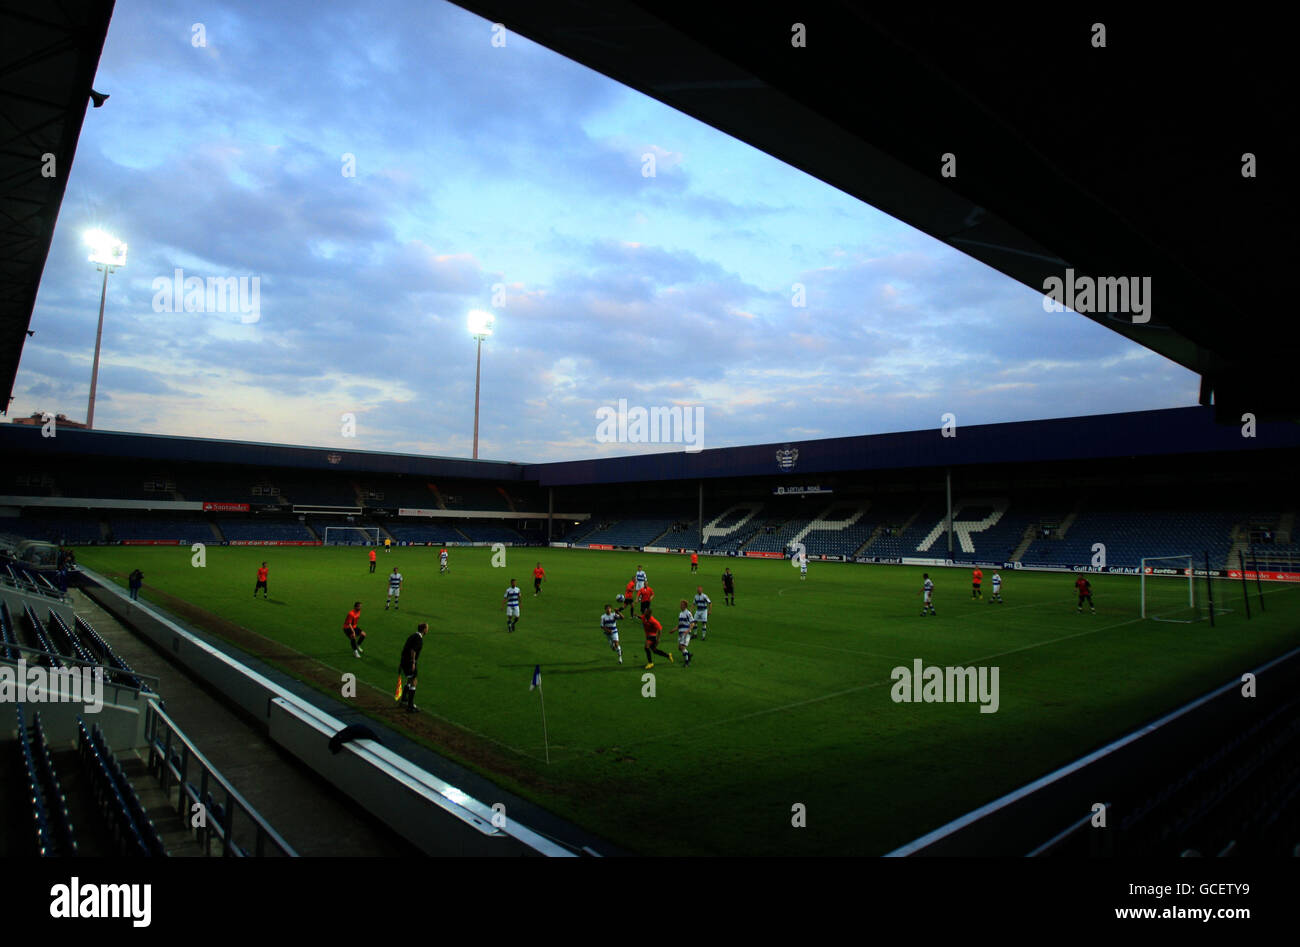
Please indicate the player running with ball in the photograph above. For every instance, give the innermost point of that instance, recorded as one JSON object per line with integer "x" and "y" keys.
{"x": 609, "y": 628}
{"x": 652, "y": 632}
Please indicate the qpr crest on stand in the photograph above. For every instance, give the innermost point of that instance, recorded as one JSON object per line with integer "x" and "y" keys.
{"x": 786, "y": 457}
{"x": 334, "y": 458}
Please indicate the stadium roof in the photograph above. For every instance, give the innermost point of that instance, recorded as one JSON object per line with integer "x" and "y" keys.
{"x": 48, "y": 56}
{"x": 1117, "y": 162}
{"x": 1170, "y": 432}
{"x": 166, "y": 448}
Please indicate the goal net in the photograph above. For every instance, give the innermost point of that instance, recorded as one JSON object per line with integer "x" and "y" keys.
{"x": 352, "y": 536}
{"x": 1170, "y": 591}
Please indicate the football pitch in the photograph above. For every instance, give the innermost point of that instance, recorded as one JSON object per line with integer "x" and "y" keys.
{"x": 788, "y": 702}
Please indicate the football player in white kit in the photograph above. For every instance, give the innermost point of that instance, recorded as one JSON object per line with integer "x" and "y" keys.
{"x": 685, "y": 625}
{"x": 997, "y": 589}
{"x": 442, "y": 562}
{"x": 609, "y": 627}
{"x": 640, "y": 578}
{"x": 803, "y": 566}
{"x": 394, "y": 589}
{"x": 702, "y": 605}
{"x": 510, "y": 602}
{"x": 927, "y": 592}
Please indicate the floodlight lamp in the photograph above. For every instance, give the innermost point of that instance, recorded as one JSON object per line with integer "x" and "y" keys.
{"x": 105, "y": 249}
{"x": 481, "y": 323}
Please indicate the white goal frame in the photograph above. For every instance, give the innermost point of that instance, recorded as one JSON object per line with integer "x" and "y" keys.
{"x": 1185, "y": 562}
{"x": 368, "y": 530}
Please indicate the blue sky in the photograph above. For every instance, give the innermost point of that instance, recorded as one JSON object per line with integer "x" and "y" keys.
{"x": 510, "y": 167}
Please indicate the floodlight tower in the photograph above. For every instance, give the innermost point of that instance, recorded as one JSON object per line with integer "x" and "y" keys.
{"x": 480, "y": 327}
{"x": 107, "y": 253}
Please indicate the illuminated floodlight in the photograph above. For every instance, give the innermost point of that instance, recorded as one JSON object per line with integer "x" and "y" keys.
{"x": 481, "y": 323}
{"x": 105, "y": 249}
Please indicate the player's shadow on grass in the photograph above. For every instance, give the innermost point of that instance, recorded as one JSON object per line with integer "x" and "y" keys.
{"x": 274, "y": 601}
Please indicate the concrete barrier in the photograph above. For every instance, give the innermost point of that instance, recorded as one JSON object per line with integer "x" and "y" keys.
{"x": 435, "y": 816}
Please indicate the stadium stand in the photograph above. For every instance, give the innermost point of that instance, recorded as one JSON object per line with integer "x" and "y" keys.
{"x": 116, "y": 667}
{"x": 732, "y": 527}
{"x": 28, "y": 483}
{"x": 116, "y": 799}
{"x": 53, "y": 829}
{"x": 484, "y": 533}
{"x": 579, "y": 533}
{"x": 629, "y": 532}
{"x": 159, "y": 527}
{"x": 116, "y": 484}
{"x": 65, "y": 529}
{"x": 265, "y": 529}
{"x": 426, "y": 533}
{"x": 8, "y": 639}
{"x": 1131, "y": 535}
{"x": 321, "y": 492}
{"x": 466, "y": 495}
{"x": 419, "y": 495}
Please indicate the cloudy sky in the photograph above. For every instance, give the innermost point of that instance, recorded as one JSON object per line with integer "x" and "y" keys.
{"x": 512, "y": 180}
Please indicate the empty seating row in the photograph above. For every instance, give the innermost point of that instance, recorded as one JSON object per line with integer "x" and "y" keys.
{"x": 485, "y": 533}
{"x": 132, "y": 829}
{"x": 8, "y": 641}
{"x": 52, "y": 826}
{"x": 634, "y": 531}
{"x": 264, "y": 529}
{"x": 427, "y": 533}
{"x": 116, "y": 667}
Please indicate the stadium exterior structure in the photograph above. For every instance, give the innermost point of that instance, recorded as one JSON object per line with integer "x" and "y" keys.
{"x": 1178, "y": 457}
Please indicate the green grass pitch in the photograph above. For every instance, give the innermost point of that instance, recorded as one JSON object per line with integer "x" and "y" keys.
{"x": 787, "y": 702}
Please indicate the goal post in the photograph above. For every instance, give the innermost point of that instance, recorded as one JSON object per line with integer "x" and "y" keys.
{"x": 1169, "y": 589}
{"x": 352, "y": 536}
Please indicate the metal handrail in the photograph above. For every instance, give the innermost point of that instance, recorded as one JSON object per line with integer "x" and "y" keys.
{"x": 267, "y": 841}
{"x": 108, "y": 668}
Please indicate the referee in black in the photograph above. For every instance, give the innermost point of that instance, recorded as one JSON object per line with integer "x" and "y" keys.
{"x": 410, "y": 663}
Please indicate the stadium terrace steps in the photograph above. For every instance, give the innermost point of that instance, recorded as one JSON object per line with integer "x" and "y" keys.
{"x": 1066, "y": 523}
{"x": 1026, "y": 540}
{"x": 93, "y": 837}
{"x": 875, "y": 532}
{"x": 308, "y": 814}
{"x": 173, "y": 828}
{"x": 687, "y": 535}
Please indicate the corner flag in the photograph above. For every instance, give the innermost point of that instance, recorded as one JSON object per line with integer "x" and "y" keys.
{"x": 537, "y": 686}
